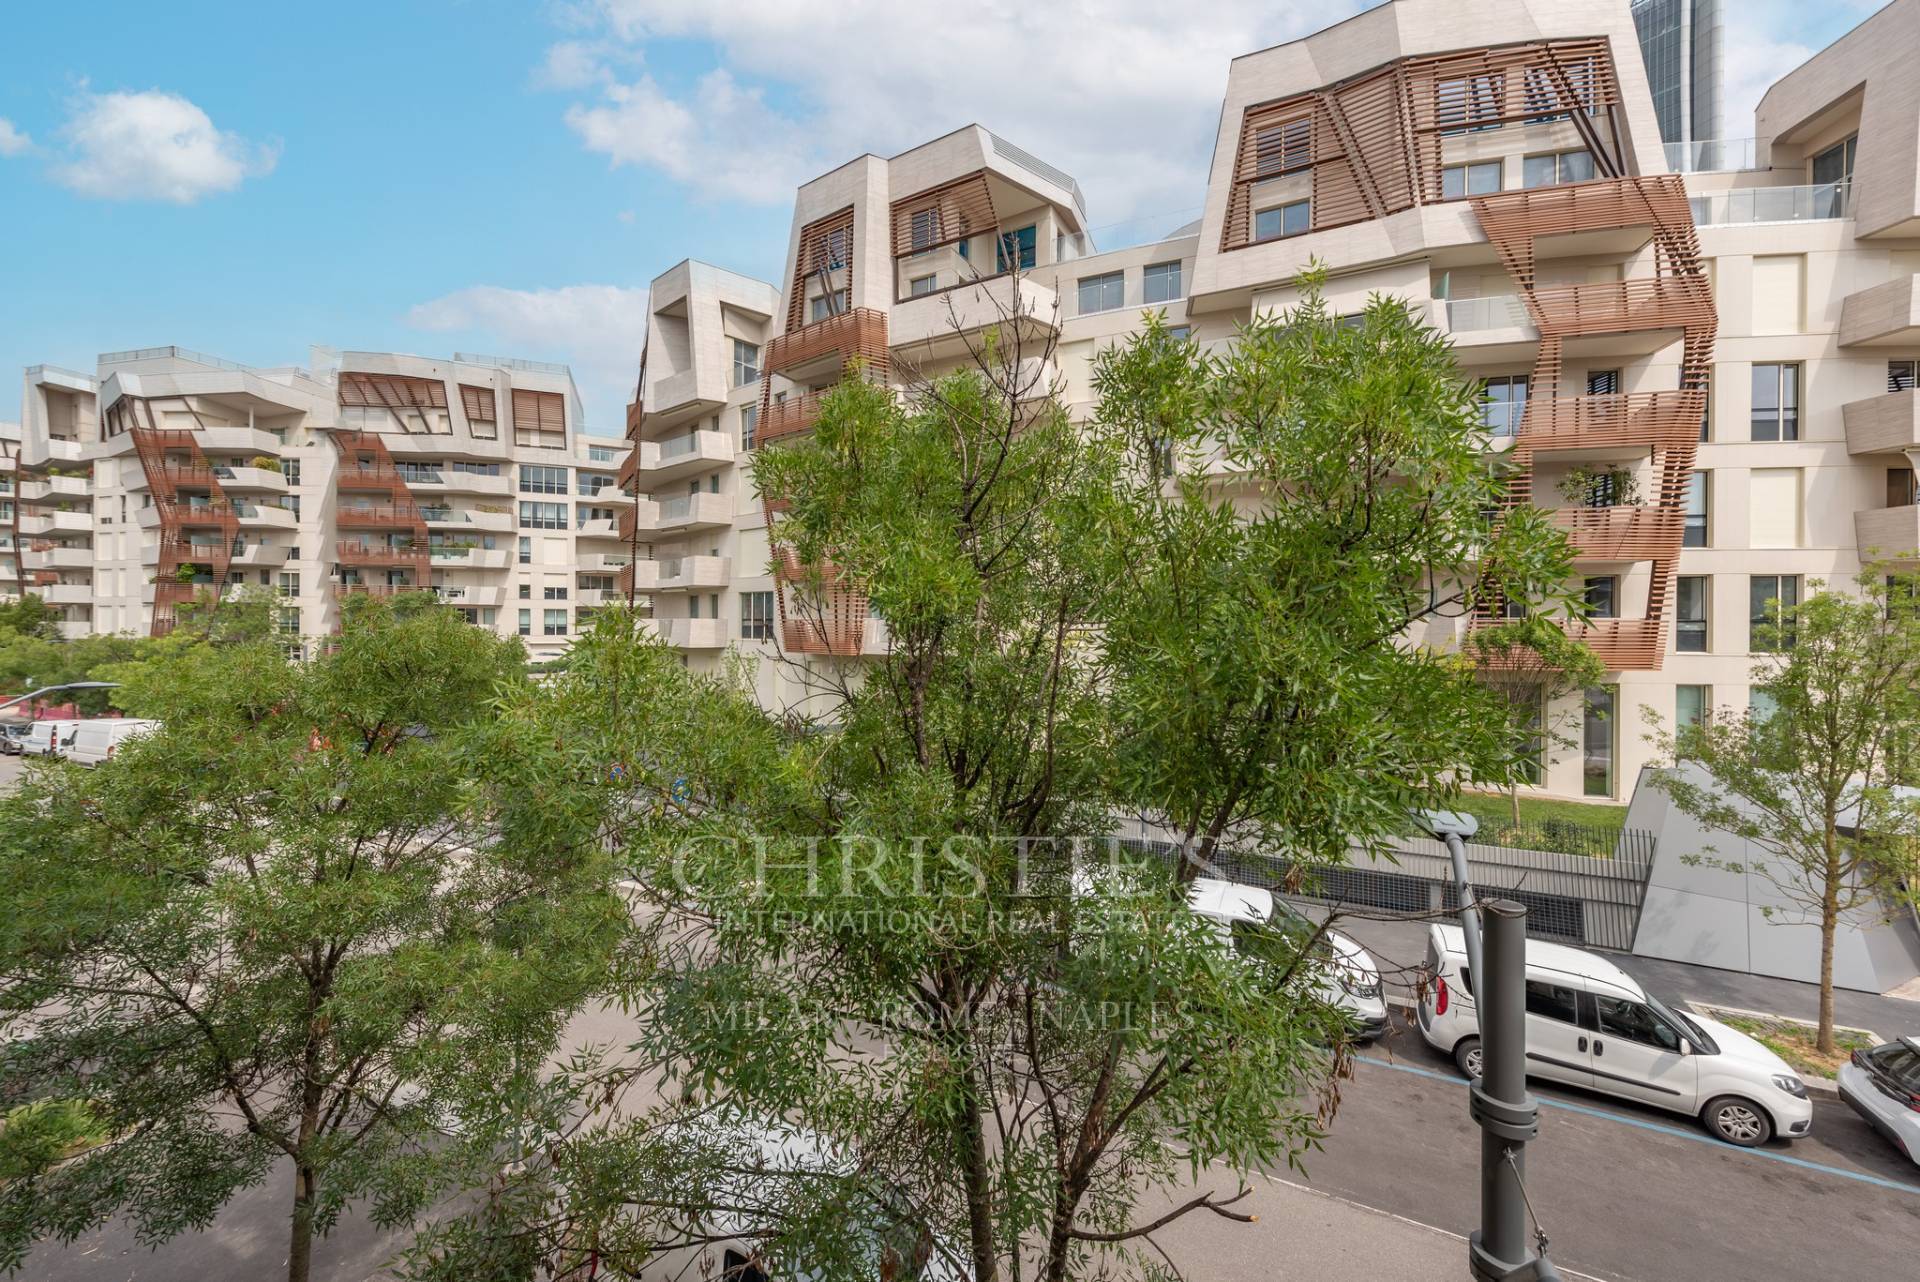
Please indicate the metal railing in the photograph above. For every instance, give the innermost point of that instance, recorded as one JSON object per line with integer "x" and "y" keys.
{"x": 1773, "y": 204}
{"x": 1711, "y": 155}
{"x": 515, "y": 362}
{"x": 1147, "y": 229}
{"x": 1034, "y": 165}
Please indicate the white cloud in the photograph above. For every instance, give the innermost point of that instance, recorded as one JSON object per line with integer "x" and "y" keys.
{"x": 1122, "y": 98}
{"x": 597, "y": 329}
{"x": 153, "y": 146}
{"x": 12, "y": 141}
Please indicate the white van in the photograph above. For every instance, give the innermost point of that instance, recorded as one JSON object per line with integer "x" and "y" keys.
{"x": 1351, "y": 981}
{"x": 94, "y": 741}
{"x": 1591, "y": 1024}
{"x": 48, "y": 738}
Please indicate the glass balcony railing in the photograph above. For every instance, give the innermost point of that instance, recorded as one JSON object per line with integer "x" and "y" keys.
{"x": 1773, "y": 205}
{"x": 1498, "y": 311}
{"x": 1710, "y": 155}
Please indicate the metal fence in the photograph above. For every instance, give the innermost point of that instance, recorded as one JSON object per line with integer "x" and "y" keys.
{"x": 1581, "y": 899}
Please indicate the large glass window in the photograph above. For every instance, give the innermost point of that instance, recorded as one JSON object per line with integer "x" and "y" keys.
{"x": 1557, "y": 167}
{"x": 1596, "y": 742}
{"x": 1162, "y": 282}
{"x": 1102, "y": 293}
{"x": 542, "y": 480}
{"x": 553, "y": 623}
{"x": 756, "y": 616}
{"x": 1772, "y": 599}
{"x": 1690, "y": 614}
{"x": 1694, "y": 530}
{"x": 543, "y": 516}
{"x": 1283, "y": 220}
{"x": 1481, "y": 178}
{"x": 922, "y": 285}
{"x": 1015, "y": 249}
{"x": 1602, "y": 593}
{"x": 1503, "y": 400}
{"x": 526, "y": 623}
{"x": 1690, "y": 706}
{"x": 825, "y": 305}
{"x": 746, "y": 362}
{"x": 1776, "y": 403}
{"x": 1835, "y": 164}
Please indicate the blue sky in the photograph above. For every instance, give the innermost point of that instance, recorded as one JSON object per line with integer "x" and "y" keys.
{"x": 500, "y": 176}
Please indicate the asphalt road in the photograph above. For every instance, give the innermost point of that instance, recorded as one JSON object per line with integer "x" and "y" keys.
{"x": 1630, "y": 1193}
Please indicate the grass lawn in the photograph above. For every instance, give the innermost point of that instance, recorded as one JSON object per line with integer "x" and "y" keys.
{"x": 1793, "y": 1041}
{"x": 1575, "y": 827}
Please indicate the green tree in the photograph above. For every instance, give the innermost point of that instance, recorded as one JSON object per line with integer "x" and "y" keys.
{"x": 889, "y": 917}
{"x": 1537, "y": 666}
{"x": 29, "y": 616}
{"x": 1808, "y": 773}
{"x": 283, "y": 930}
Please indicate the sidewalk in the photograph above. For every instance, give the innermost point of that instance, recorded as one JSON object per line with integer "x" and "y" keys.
{"x": 1400, "y": 943}
{"x": 1307, "y": 1236}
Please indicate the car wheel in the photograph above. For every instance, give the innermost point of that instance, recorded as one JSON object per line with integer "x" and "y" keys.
{"x": 1738, "y": 1121}
{"x": 1466, "y": 1053}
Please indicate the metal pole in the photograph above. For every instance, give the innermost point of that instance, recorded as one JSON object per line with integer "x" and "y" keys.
{"x": 1507, "y": 1116}
{"x": 1469, "y": 914}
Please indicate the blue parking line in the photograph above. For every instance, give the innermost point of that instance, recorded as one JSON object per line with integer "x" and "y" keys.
{"x": 1695, "y": 1136}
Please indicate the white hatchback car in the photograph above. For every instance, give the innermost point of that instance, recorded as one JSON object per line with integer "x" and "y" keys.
{"x": 1591, "y": 1024}
{"x": 1883, "y": 1086}
{"x": 1352, "y": 979}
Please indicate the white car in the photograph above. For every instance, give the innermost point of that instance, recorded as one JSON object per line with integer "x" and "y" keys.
{"x": 1351, "y": 980}
{"x": 94, "y": 741}
{"x": 1883, "y": 1086}
{"x": 48, "y": 738}
{"x": 1590, "y": 1024}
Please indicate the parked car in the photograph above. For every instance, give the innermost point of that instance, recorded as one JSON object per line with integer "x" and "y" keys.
{"x": 48, "y": 738}
{"x": 1883, "y": 1086}
{"x": 13, "y": 738}
{"x": 1590, "y": 1024}
{"x": 1350, "y": 980}
{"x": 94, "y": 741}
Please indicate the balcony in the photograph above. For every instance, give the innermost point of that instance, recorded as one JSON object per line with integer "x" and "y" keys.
{"x": 262, "y": 555}
{"x": 455, "y": 480}
{"x": 1711, "y": 156}
{"x": 354, "y": 552}
{"x": 1885, "y": 424}
{"x": 246, "y": 441}
{"x": 941, "y": 325}
{"x": 1644, "y": 306}
{"x": 262, "y": 479}
{"x": 55, "y": 523}
{"x": 1631, "y": 421}
{"x": 402, "y": 516}
{"x": 790, "y": 417}
{"x": 687, "y": 512}
{"x": 1624, "y": 533}
{"x": 1889, "y": 533}
{"x": 636, "y": 520}
{"x": 1746, "y": 205}
{"x": 690, "y": 573}
{"x": 342, "y": 591}
{"x": 472, "y": 595}
{"x": 265, "y": 516}
{"x": 67, "y": 593}
{"x": 45, "y": 489}
{"x": 1884, "y": 315}
{"x": 1494, "y": 312}
{"x": 465, "y": 558}
{"x": 1623, "y": 645}
{"x": 678, "y": 457}
{"x": 825, "y": 346}
{"x": 599, "y": 527}
{"x": 602, "y": 562}
{"x": 694, "y": 634}
{"x": 42, "y": 556}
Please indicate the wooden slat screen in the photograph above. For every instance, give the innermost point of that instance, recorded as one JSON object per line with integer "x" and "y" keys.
{"x": 392, "y": 391}
{"x": 824, "y": 243}
{"x": 480, "y": 403}
{"x": 539, "y": 411}
{"x": 943, "y": 215}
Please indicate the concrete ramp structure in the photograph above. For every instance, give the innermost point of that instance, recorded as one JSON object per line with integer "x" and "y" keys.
{"x": 1741, "y": 921}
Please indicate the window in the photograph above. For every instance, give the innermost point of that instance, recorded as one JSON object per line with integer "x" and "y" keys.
{"x": 553, "y": 623}
{"x": 554, "y": 593}
{"x": 1603, "y": 382}
{"x": 825, "y": 305}
{"x": 1900, "y": 489}
{"x": 756, "y": 616}
{"x": 1900, "y": 376}
{"x": 1690, "y": 706}
{"x": 588, "y": 484}
{"x": 1693, "y": 532}
{"x": 1771, "y": 601}
{"x": 1283, "y": 148}
{"x": 1503, "y": 400}
{"x": 1551, "y": 1001}
{"x": 1180, "y": 333}
{"x": 1596, "y": 742}
{"x": 595, "y": 454}
{"x": 749, "y": 424}
{"x": 1835, "y": 164}
{"x": 1469, "y": 103}
{"x": 1706, "y": 413}
{"x": 746, "y": 362}
{"x": 1636, "y": 1022}
{"x": 1478, "y": 179}
{"x": 922, "y": 285}
{"x": 1557, "y": 167}
{"x": 543, "y": 516}
{"x": 925, "y": 227}
{"x": 526, "y": 623}
{"x": 1690, "y": 614}
{"x": 1776, "y": 403}
{"x": 526, "y": 591}
{"x": 1601, "y": 594}
{"x": 1283, "y": 220}
{"x": 1162, "y": 282}
{"x": 1896, "y": 1062}
{"x": 290, "y": 469}
{"x": 1102, "y": 293}
{"x": 543, "y": 480}
{"x": 1015, "y": 250}
{"x": 526, "y": 550}
{"x": 289, "y": 583}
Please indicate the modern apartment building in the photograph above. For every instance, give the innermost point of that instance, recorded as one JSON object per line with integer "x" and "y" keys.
{"x": 169, "y": 474}
{"x": 1702, "y": 357}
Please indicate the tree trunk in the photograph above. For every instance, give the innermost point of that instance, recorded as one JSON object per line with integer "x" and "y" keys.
{"x": 1513, "y": 794}
{"x": 300, "y": 1247}
{"x": 1829, "y": 927}
{"x": 986, "y": 1264}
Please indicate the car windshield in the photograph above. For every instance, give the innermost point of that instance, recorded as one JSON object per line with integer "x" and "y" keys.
{"x": 1694, "y": 1033}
